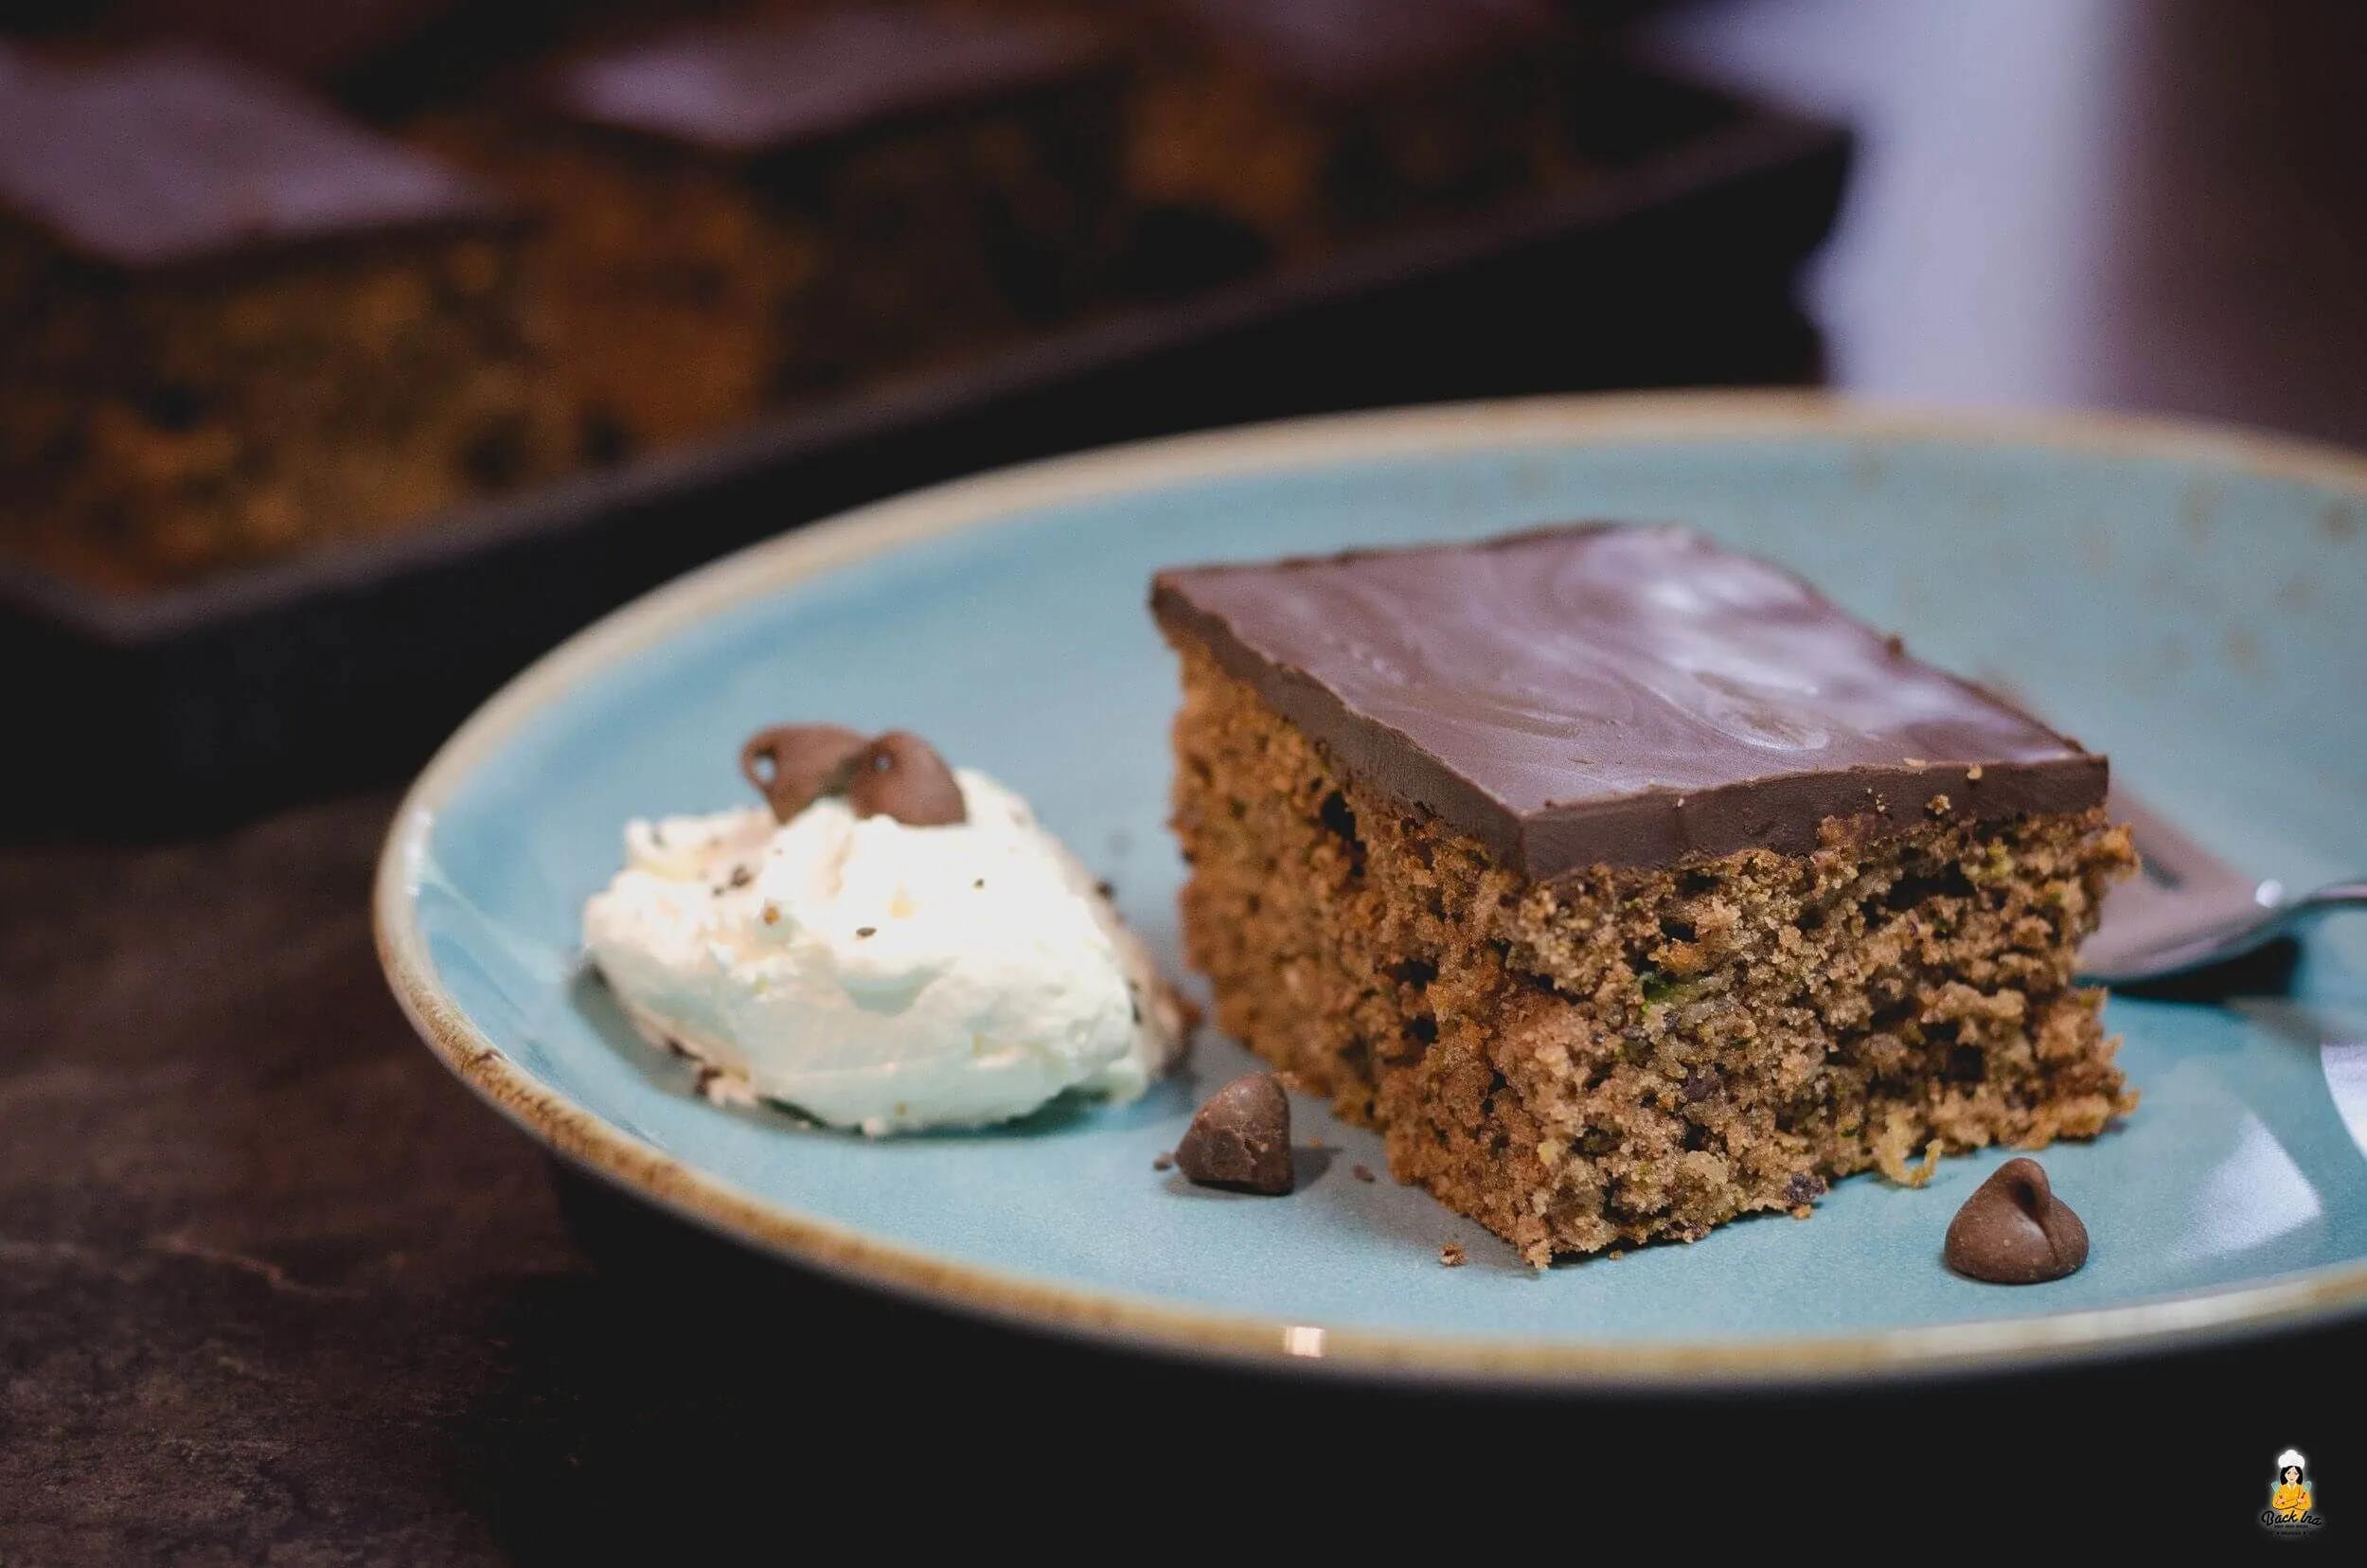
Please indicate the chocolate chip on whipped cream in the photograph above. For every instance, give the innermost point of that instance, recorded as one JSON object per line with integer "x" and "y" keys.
{"x": 897, "y": 774}
{"x": 794, "y": 765}
{"x": 901, "y": 776}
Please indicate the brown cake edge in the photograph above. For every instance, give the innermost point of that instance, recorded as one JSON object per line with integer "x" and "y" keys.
{"x": 1638, "y": 1054}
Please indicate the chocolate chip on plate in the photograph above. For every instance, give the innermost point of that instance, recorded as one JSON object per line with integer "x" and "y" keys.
{"x": 794, "y": 765}
{"x": 901, "y": 776}
{"x": 2014, "y": 1230}
{"x": 1241, "y": 1138}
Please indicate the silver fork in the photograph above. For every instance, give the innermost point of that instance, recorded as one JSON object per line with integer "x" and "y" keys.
{"x": 2188, "y": 910}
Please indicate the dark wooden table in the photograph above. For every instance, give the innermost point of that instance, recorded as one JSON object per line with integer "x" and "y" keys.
{"x": 273, "y": 1287}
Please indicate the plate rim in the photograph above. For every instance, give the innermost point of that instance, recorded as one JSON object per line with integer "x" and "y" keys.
{"x": 1142, "y": 1322}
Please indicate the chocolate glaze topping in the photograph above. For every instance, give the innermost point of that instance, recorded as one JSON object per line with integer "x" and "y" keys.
{"x": 769, "y": 84}
{"x": 172, "y": 156}
{"x": 1608, "y": 695}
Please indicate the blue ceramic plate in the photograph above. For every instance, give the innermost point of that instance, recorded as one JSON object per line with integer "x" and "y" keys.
{"x": 2188, "y": 600}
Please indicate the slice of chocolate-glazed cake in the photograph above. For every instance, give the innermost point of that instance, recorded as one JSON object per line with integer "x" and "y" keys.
{"x": 793, "y": 199}
{"x": 1624, "y": 882}
{"x": 1314, "y": 118}
{"x": 234, "y": 323}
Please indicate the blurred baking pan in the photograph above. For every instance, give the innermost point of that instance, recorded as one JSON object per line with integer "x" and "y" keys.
{"x": 341, "y": 668}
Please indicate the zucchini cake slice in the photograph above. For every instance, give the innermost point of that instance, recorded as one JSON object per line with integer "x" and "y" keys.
{"x": 1624, "y": 882}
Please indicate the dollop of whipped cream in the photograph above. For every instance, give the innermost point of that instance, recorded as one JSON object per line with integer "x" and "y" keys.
{"x": 881, "y": 976}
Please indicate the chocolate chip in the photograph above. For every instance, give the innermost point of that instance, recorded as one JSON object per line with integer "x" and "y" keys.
{"x": 1162, "y": 1161}
{"x": 1241, "y": 1138}
{"x": 1362, "y": 1173}
{"x": 1806, "y": 1186}
{"x": 794, "y": 765}
{"x": 901, "y": 776}
{"x": 2014, "y": 1230}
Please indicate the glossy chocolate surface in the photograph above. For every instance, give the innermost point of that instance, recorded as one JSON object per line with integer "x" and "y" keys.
{"x": 1607, "y": 695}
{"x": 770, "y": 84}
{"x": 174, "y": 157}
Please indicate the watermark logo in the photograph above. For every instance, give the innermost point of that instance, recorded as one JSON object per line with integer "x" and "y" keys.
{"x": 2293, "y": 1508}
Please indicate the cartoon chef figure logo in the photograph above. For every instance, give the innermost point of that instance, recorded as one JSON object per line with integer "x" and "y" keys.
{"x": 2291, "y": 1509}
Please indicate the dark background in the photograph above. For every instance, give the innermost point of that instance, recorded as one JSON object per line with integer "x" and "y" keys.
{"x": 274, "y": 1288}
